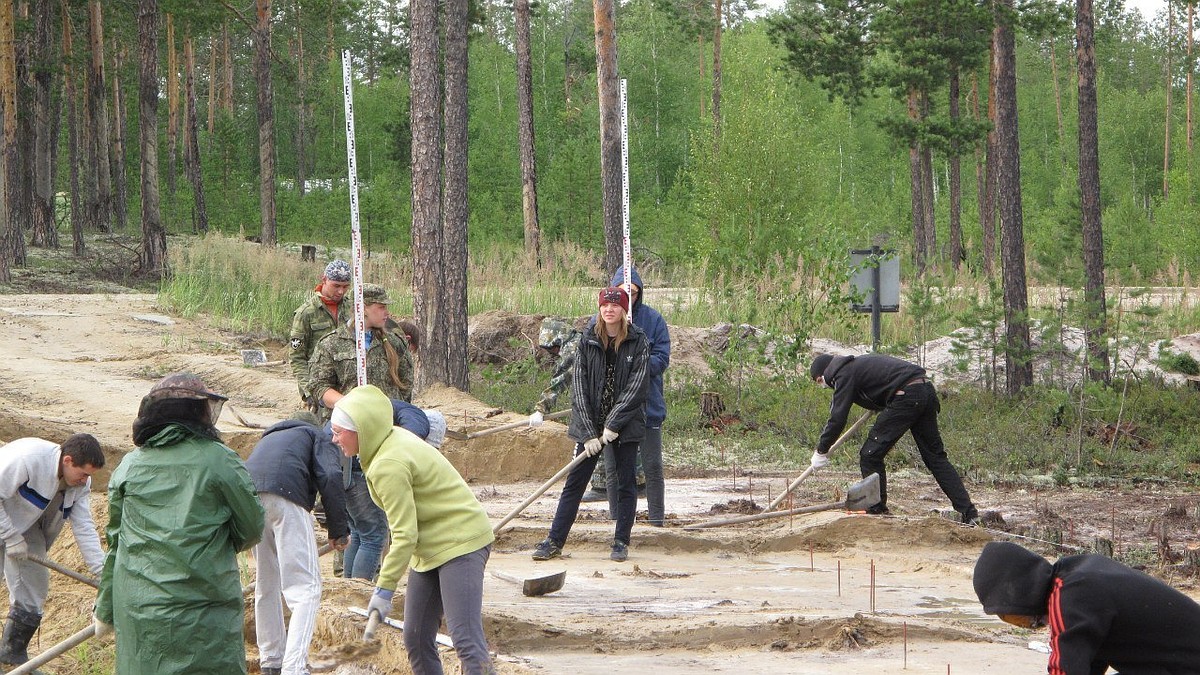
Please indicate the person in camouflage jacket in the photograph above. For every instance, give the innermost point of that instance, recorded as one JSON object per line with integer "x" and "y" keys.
{"x": 335, "y": 369}
{"x": 558, "y": 337}
{"x": 315, "y": 319}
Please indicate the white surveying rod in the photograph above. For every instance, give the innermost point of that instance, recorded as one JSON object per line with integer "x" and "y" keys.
{"x": 625, "y": 197}
{"x": 360, "y": 352}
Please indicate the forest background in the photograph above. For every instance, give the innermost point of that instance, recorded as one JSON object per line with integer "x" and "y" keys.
{"x": 747, "y": 179}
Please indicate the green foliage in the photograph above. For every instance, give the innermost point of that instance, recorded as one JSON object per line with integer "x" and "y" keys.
{"x": 1181, "y": 362}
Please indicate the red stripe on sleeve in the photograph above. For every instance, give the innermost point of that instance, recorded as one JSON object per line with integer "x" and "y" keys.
{"x": 1054, "y": 610}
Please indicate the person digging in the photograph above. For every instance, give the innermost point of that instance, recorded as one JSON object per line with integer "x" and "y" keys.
{"x": 906, "y": 401}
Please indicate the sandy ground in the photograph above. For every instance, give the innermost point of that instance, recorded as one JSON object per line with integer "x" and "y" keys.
{"x": 831, "y": 592}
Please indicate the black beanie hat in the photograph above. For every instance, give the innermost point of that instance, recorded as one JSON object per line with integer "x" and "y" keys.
{"x": 819, "y": 364}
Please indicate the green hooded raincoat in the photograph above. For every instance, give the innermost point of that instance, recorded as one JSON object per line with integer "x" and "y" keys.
{"x": 180, "y": 508}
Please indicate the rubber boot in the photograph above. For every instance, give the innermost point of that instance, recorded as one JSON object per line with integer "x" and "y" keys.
{"x": 18, "y": 632}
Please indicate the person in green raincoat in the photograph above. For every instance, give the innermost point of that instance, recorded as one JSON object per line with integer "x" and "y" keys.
{"x": 180, "y": 508}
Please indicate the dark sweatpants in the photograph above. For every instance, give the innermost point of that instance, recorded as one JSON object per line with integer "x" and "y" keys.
{"x": 915, "y": 410}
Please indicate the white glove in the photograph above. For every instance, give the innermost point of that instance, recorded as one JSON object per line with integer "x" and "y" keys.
{"x": 16, "y": 548}
{"x": 381, "y": 601}
{"x": 535, "y": 420}
{"x": 102, "y": 629}
{"x": 592, "y": 447}
{"x": 820, "y": 461}
{"x": 608, "y": 436}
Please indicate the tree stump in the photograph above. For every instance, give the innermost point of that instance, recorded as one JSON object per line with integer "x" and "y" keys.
{"x": 1191, "y": 556}
{"x": 1103, "y": 546}
{"x": 308, "y": 252}
{"x": 711, "y": 406}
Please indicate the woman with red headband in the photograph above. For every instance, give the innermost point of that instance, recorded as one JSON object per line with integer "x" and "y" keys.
{"x": 608, "y": 391}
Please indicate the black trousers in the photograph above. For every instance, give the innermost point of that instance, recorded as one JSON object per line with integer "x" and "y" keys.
{"x": 916, "y": 411}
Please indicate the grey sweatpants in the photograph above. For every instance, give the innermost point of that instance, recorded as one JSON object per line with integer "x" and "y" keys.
{"x": 457, "y": 589}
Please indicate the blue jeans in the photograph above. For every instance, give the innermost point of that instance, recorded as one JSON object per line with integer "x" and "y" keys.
{"x": 368, "y": 530}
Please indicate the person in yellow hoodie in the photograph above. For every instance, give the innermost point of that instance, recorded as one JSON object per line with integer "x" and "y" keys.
{"x": 438, "y": 529}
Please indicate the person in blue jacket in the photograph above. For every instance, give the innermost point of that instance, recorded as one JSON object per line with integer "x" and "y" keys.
{"x": 654, "y": 326}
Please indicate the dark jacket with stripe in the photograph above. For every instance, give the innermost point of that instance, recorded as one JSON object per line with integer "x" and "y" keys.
{"x": 628, "y": 414}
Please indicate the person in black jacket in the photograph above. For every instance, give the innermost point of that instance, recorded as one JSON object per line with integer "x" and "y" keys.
{"x": 1101, "y": 613}
{"x": 908, "y": 403}
{"x": 290, "y": 465}
{"x": 608, "y": 393}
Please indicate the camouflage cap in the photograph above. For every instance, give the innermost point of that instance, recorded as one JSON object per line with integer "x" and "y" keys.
{"x": 338, "y": 270}
{"x": 183, "y": 385}
{"x": 375, "y": 294}
{"x": 554, "y": 332}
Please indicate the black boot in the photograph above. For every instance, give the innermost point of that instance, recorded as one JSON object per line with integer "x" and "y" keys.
{"x": 17, "y": 633}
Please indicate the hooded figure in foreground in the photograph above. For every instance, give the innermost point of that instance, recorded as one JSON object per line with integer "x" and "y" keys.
{"x": 181, "y": 506}
{"x": 1101, "y": 613}
{"x": 438, "y": 528}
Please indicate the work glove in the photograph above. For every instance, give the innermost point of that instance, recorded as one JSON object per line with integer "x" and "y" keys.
{"x": 593, "y": 446}
{"x": 820, "y": 460}
{"x": 535, "y": 420}
{"x": 102, "y": 629}
{"x": 16, "y": 548}
{"x": 608, "y": 436}
{"x": 381, "y": 601}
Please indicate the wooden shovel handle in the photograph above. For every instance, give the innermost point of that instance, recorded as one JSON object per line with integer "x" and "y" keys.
{"x": 538, "y": 493}
{"x": 57, "y": 650}
{"x": 809, "y": 471}
{"x": 515, "y": 425}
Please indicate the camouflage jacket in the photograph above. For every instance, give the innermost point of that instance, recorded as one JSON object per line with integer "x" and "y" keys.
{"x": 561, "y": 380}
{"x": 310, "y": 323}
{"x": 334, "y": 366}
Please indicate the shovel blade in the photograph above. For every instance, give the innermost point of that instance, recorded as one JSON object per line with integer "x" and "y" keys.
{"x": 542, "y": 585}
{"x": 864, "y": 494}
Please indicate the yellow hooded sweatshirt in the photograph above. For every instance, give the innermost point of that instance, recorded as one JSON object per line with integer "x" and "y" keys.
{"x": 432, "y": 514}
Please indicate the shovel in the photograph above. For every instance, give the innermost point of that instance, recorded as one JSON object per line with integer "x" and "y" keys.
{"x": 859, "y": 497}
{"x": 534, "y": 586}
{"x": 506, "y": 427}
{"x": 808, "y": 472}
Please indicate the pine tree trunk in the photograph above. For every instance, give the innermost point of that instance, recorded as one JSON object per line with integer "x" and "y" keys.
{"x": 425, "y": 110}
{"x": 74, "y": 151}
{"x": 8, "y": 135}
{"x": 956, "y": 244}
{"x": 266, "y": 121}
{"x": 97, "y": 94}
{"x": 44, "y": 232}
{"x": 172, "y": 113}
{"x": 226, "y": 71}
{"x": 191, "y": 154}
{"x": 119, "y": 141}
{"x": 1095, "y": 310}
{"x": 917, "y": 192}
{"x": 21, "y": 212}
{"x": 154, "y": 236}
{"x": 1017, "y": 364}
{"x": 453, "y": 325}
{"x": 529, "y": 204}
{"x": 610, "y": 129}
{"x": 988, "y": 212}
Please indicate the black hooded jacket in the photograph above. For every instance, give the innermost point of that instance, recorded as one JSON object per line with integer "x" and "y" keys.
{"x": 295, "y": 460}
{"x": 1101, "y": 613}
{"x": 869, "y": 380}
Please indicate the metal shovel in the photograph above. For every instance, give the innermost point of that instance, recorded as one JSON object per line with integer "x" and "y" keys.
{"x": 533, "y": 586}
{"x": 859, "y": 497}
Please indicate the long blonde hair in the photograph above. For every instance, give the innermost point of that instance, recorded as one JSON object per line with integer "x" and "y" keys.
{"x": 389, "y": 352}
{"x": 602, "y": 331}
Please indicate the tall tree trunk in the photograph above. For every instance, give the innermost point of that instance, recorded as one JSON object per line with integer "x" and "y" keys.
{"x": 917, "y": 191}
{"x": 610, "y": 129}
{"x": 956, "y": 243}
{"x": 266, "y": 121}
{"x": 97, "y": 94}
{"x": 21, "y": 209}
{"x": 172, "y": 113}
{"x": 45, "y": 234}
{"x": 988, "y": 210}
{"x": 301, "y": 120}
{"x": 8, "y": 135}
{"x": 453, "y": 326}
{"x": 226, "y": 71}
{"x": 120, "y": 180}
{"x": 191, "y": 148}
{"x": 716, "y": 92}
{"x": 1017, "y": 364}
{"x": 928, "y": 226}
{"x": 74, "y": 151}
{"x": 425, "y": 110}
{"x": 1095, "y": 309}
{"x": 529, "y": 204}
{"x": 1167, "y": 117}
{"x": 154, "y": 236}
